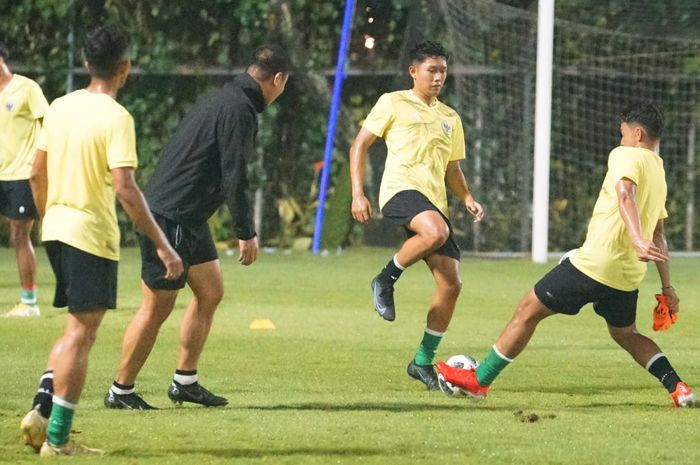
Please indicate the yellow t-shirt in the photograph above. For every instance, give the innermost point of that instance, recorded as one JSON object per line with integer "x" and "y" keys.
{"x": 22, "y": 105}
{"x": 85, "y": 135}
{"x": 421, "y": 141}
{"x": 607, "y": 255}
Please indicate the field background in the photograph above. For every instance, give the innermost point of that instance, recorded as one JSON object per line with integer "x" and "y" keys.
{"x": 328, "y": 384}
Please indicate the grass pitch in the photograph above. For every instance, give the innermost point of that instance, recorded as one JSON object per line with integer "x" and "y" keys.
{"x": 328, "y": 385}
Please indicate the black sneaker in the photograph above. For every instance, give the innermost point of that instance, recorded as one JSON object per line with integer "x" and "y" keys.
{"x": 194, "y": 393}
{"x": 384, "y": 299}
{"x": 425, "y": 374}
{"x": 131, "y": 401}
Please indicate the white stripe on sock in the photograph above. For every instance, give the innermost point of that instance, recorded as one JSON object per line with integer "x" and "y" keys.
{"x": 653, "y": 359}
{"x": 48, "y": 375}
{"x": 398, "y": 265}
{"x": 121, "y": 392}
{"x": 185, "y": 379}
{"x": 432, "y": 332}
{"x": 495, "y": 349}
{"x": 64, "y": 403}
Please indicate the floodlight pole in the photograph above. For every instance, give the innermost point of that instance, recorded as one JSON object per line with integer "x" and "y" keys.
{"x": 543, "y": 130}
{"x": 332, "y": 119}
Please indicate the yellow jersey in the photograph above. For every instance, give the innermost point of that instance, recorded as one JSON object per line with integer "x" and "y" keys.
{"x": 421, "y": 140}
{"x": 22, "y": 105}
{"x": 607, "y": 255}
{"x": 85, "y": 136}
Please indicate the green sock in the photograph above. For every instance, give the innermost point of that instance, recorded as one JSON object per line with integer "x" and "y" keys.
{"x": 60, "y": 421}
{"x": 491, "y": 367}
{"x": 428, "y": 346}
{"x": 28, "y": 296}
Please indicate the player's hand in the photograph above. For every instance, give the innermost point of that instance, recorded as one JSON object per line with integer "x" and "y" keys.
{"x": 647, "y": 250}
{"x": 361, "y": 209}
{"x": 172, "y": 262}
{"x": 671, "y": 299}
{"x": 474, "y": 208}
{"x": 248, "y": 250}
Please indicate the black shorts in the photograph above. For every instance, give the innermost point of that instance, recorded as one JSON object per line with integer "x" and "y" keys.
{"x": 405, "y": 205}
{"x": 194, "y": 245}
{"x": 565, "y": 289}
{"x": 84, "y": 282}
{"x": 16, "y": 201}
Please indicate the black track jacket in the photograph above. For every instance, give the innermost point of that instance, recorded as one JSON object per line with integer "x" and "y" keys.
{"x": 204, "y": 165}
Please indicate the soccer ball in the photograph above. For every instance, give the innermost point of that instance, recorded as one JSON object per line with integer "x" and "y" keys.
{"x": 457, "y": 361}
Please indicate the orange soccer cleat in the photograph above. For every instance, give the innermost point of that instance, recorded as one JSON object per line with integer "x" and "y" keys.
{"x": 465, "y": 379}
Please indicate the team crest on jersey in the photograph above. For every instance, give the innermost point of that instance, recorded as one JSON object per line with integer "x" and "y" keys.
{"x": 9, "y": 106}
{"x": 447, "y": 127}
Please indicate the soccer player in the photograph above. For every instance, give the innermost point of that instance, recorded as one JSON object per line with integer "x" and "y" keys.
{"x": 625, "y": 232}
{"x": 22, "y": 108}
{"x": 202, "y": 167}
{"x": 425, "y": 143}
{"x": 86, "y": 153}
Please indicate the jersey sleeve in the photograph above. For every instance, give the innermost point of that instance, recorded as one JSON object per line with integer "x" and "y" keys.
{"x": 458, "y": 146}
{"x": 121, "y": 144}
{"x": 36, "y": 101}
{"x": 380, "y": 117}
{"x": 622, "y": 164}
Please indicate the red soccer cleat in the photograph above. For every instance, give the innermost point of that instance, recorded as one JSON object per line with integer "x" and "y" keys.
{"x": 683, "y": 396}
{"x": 465, "y": 379}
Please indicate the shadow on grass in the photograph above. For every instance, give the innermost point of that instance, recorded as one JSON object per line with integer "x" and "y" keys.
{"x": 253, "y": 453}
{"x": 396, "y": 407}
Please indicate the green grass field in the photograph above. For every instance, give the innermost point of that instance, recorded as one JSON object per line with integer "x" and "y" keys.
{"x": 328, "y": 385}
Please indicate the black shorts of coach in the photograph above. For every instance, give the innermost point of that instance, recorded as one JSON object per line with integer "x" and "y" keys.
{"x": 16, "y": 201}
{"x": 84, "y": 282}
{"x": 565, "y": 290}
{"x": 194, "y": 245}
{"x": 405, "y": 205}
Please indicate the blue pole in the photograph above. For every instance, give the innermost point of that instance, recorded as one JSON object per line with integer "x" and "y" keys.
{"x": 332, "y": 119}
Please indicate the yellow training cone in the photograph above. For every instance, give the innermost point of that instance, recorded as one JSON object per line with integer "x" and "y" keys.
{"x": 262, "y": 323}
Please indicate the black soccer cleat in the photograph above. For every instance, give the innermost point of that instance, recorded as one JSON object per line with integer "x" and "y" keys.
{"x": 425, "y": 374}
{"x": 131, "y": 401}
{"x": 194, "y": 393}
{"x": 384, "y": 299}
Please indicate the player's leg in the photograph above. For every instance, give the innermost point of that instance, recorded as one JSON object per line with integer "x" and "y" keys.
{"x": 448, "y": 284}
{"x": 139, "y": 338}
{"x": 648, "y": 354}
{"x": 20, "y": 237}
{"x": 157, "y": 301}
{"x": 70, "y": 369}
{"x": 428, "y": 231}
{"x": 207, "y": 285}
{"x": 17, "y": 204}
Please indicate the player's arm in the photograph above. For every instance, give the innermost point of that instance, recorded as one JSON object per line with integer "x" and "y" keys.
{"x": 135, "y": 206}
{"x": 361, "y": 208}
{"x": 663, "y": 268}
{"x": 236, "y": 138}
{"x": 455, "y": 180}
{"x": 39, "y": 182}
{"x": 627, "y": 202}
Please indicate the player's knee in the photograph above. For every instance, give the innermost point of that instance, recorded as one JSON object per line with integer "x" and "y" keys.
{"x": 436, "y": 237}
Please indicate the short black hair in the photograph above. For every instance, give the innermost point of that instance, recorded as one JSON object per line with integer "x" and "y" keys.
{"x": 268, "y": 60}
{"x": 104, "y": 48}
{"x": 428, "y": 49}
{"x": 4, "y": 51}
{"x": 646, "y": 114}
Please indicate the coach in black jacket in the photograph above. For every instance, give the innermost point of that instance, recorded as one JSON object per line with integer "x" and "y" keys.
{"x": 203, "y": 166}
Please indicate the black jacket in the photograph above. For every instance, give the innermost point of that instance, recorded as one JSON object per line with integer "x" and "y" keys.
{"x": 204, "y": 165}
